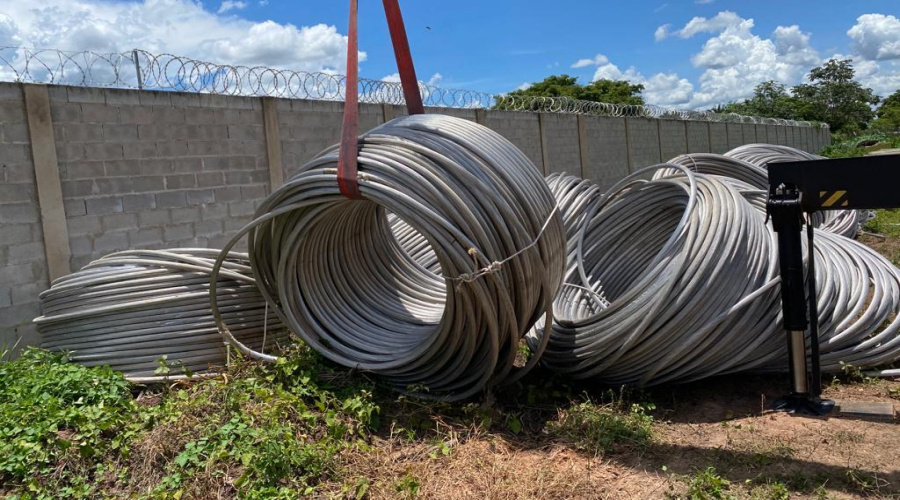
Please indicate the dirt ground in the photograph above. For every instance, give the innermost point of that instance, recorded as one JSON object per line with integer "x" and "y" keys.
{"x": 723, "y": 423}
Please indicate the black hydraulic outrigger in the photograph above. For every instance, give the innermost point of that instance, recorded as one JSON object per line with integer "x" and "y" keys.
{"x": 805, "y": 187}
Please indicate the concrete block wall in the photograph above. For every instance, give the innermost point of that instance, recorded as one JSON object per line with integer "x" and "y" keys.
{"x": 735, "y": 134}
{"x": 521, "y": 129}
{"x": 156, "y": 169}
{"x": 561, "y": 150}
{"x": 643, "y": 142}
{"x": 23, "y": 269}
{"x": 144, "y": 169}
{"x": 307, "y": 128}
{"x": 748, "y": 131}
{"x": 718, "y": 138}
{"x": 673, "y": 139}
{"x": 761, "y": 134}
{"x": 698, "y": 137}
{"x": 605, "y": 149}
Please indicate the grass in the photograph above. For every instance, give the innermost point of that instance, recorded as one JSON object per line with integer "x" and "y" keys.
{"x": 706, "y": 484}
{"x": 601, "y": 428}
{"x": 844, "y": 147}
{"x": 260, "y": 432}
{"x": 886, "y": 223}
{"x": 56, "y": 421}
{"x": 304, "y": 428}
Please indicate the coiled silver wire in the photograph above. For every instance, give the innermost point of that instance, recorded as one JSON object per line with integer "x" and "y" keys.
{"x": 445, "y": 326}
{"x": 131, "y": 310}
{"x": 749, "y": 164}
{"x": 688, "y": 269}
{"x": 843, "y": 222}
{"x": 675, "y": 279}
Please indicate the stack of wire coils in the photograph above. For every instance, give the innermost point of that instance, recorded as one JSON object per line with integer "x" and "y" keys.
{"x": 437, "y": 302}
{"x": 147, "y": 313}
{"x": 674, "y": 278}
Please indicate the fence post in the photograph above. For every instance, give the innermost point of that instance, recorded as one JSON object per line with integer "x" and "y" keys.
{"x": 273, "y": 142}
{"x": 137, "y": 69}
{"x": 49, "y": 187}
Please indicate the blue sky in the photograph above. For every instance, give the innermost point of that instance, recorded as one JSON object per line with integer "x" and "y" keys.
{"x": 688, "y": 53}
{"x": 498, "y": 45}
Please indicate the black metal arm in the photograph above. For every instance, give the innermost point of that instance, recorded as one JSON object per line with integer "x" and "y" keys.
{"x": 802, "y": 187}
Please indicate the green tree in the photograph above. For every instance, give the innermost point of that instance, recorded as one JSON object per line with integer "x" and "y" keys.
{"x": 888, "y": 114}
{"x": 833, "y": 96}
{"x": 770, "y": 99}
{"x": 608, "y": 91}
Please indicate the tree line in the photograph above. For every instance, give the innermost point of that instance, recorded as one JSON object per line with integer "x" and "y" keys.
{"x": 831, "y": 95}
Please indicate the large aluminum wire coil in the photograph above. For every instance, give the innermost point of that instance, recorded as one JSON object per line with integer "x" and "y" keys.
{"x": 338, "y": 277}
{"x": 676, "y": 279}
{"x": 842, "y": 222}
{"x": 671, "y": 280}
{"x": 749, "y": 164}
{"x": 136, "y": 309}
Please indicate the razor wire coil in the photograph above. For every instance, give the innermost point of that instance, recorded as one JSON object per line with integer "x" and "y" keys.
{"x": 140, "y": 69}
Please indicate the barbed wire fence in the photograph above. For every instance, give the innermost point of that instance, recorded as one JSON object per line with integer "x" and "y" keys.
{"x": 139, "y": 69}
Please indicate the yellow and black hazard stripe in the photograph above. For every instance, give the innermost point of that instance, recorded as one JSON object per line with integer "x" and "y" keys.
{"x": 830, "y": 199}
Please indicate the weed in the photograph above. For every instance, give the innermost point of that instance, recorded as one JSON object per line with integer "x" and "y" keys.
{"x": 261, "y": 431}
{"x": 56, "y": 417}
{"x": 407, "y": 486}
{"x": 770, "y": 491}
{"x": 708, "y": 485}
{"x": 844, "y": 147}
{"x": 865, "y": 482}
{"x": 599, "y": 428}
{"x": 893, "y": 392}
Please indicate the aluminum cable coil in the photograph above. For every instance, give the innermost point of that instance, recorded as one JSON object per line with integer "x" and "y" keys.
{"x": 665, "y": 253}
{"x": 131, "y": 310}
{"x": 334, "y": 272}
{"x": 843, "y": 222}
{"x": 676, "y": 279}
{"x": 749, "y": 164}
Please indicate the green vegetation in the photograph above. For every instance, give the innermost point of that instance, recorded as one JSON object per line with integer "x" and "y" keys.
{"x": 831, "y": 96}
{"x": 888, "y": 114}
{"x": 707, "y": 484}
{"x": 609, "y": 91}
{"x": 57, "y": 423}
{"x": 886, "y": 222}
{"x": 770, "y": 99}
{"x": 845, "y": 146}
{"x": 259, "y": 431}
{"x": 600, "y": 428}
{"x": 306, "y": 428}
{"x": 67, "y": 431}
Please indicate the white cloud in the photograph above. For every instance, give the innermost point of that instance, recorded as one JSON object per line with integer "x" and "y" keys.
{"x": 720, "y": 22}
{"x": 793, "y": 46}
{"x": 524, "y": 86}
{"x": 704, "y": 1}
{"x": 229, "y": 5}
{"x": 883, "y": 77}
{"x": 9, "y": 32}
{"x": 735, "y": 59}
{"x": 597, "y": 60}
{"x": 434, "y": 81}
{"x": 876, "y": 37}
{"x": 181, "y": 27}
{"x": 662, "y": 32}
{"x": 666, "y": 89}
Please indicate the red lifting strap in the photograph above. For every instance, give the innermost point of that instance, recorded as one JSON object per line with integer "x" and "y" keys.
{"x": 347, "y": 165}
